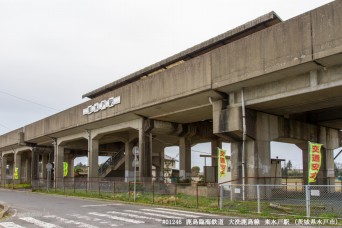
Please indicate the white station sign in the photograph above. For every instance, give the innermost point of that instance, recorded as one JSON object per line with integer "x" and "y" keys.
{"x": 102, "y": 105}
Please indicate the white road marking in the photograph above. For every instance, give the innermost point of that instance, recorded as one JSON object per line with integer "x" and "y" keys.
{"x": 85, "y": 217}
{"x": 82, "y": 217}
{"x": 171, "y": 213}
{"x": 101, "y": 205}
{"x": 38, "y": 222}
{"x": 10, "y": 225}
{"x": 154, "y": 214}
{"x": 134, "y": 216}
{"x": 116, "y": 218}
{"x": 69, "y": 221}
{"x": 187, "y": 212}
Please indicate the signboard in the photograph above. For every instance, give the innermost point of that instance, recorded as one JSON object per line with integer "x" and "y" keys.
{"x": 102, "y": 105}
{"x": 222, "y": 163}
{"x": 16, "y": 174}
{"x": 315, "y": 193}
{"x": 65, "y": 169}
{"x": 315, "y": 159}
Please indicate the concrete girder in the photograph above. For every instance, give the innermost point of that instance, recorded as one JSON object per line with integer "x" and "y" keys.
{"x": 264, "y": 128}
{"x": 63, "y": 141}
{"x": 122, "y": 127}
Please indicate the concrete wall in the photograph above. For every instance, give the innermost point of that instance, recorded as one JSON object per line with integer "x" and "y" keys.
{"x": 278, "y": 47}
{"x": 10, "y": 138}
{"x": 326, "y": 29}
{"x": 186, "y": 79}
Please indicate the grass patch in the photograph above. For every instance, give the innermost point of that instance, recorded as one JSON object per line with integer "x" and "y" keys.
{"x": 18, "y": 186}
{"x": 203, "y": 204}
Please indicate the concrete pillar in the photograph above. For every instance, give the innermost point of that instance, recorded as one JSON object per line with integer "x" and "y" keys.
{"x": 145, "y": 150}
{"x": 305, "y": 157}
{"x": 17, "y": 165}
{"x": 59, "y": 173}
{"x": 129, "y": 157}
{"x": 93, "y": 160}
{"x": 258, "y": 161}
{"x": 160, "y": 170}
{"x": 28, "y": 169}
{"x": 70, "y": 160}
{"x": 184, "y": 157}
{"x": 158, "y": 159}
{"x": 44, "y": 162}
{"x": 34, "y": 164}
{"x": 330, "y": 139}
{"x": 236, "y": 159}
{"x": 3, "y": 169}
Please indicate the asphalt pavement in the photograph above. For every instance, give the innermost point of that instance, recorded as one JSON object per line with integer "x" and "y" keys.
{"x": 50, "y": 211}
{"x": 53, "y": 211}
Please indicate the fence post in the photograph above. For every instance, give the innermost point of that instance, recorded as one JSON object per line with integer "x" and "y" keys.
{"x": 74, "y": 184}
{"x": 86, "y": 186}
{"x": 152, "y": 191}
{"x": 63, "y": 184}
{"x": 307, "y": 197}
{"x": 129, "y": 191}
{"x": 218, "y": 196}
{"x": 38, "y": 186}
{"x": 175, "y": 192}
{"x": 197, "y": 195}
{"x": 258, "y": 197}
{"x": 221, "y": 196}
{"x": 113, "y": 189}
{"x": 99, "y": 188}
{"x": 231, "y": 192}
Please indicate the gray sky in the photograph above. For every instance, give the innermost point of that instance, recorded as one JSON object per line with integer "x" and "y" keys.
{"x": 52, "y": 52}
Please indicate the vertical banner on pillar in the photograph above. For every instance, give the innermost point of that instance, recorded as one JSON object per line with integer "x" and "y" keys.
{"x": 16, "y": 173}
{"x": 315, "y": 159}
{"x": 65, "y": 169}
{"x": 222, "y": 163}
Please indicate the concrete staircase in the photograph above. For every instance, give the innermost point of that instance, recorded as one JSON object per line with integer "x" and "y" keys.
{"x": 113, "y": 163}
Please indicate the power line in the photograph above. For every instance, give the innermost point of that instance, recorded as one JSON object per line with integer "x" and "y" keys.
{"x": 29, "y": 101}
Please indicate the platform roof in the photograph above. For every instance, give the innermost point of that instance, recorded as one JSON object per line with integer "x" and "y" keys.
{"x": 239, "y": 32}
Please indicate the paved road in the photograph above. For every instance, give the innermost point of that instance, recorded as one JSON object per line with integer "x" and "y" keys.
{"x": 50, "y": 211}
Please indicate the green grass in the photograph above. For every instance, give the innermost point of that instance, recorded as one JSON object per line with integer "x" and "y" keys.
{"x": 204, "y": 204}
{"x": 18, "y": 186}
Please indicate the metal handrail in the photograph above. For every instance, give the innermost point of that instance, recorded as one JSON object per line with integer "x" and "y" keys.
{"x": 111, "y": 161}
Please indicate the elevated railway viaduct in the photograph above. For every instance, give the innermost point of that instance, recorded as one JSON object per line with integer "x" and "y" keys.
{"x": 288, "y": 75}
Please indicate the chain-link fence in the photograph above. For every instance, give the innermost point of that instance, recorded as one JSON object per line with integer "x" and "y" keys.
{"x": 191, "y": 195}
{"x": 292, "y": 199}
{"x": 303, "y": 200}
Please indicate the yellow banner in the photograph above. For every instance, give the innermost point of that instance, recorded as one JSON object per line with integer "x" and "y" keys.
{"x": 16, "y": 173}
{"x": 65, "y": 168}
{"x": 315, "y": 159}
{"x": 222, "y": 163}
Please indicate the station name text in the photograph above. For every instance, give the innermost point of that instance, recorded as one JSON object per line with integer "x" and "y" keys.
{"x": 102, "y": 105}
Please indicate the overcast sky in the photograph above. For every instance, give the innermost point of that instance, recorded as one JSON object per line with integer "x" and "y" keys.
{"x": 52, "y": 52}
